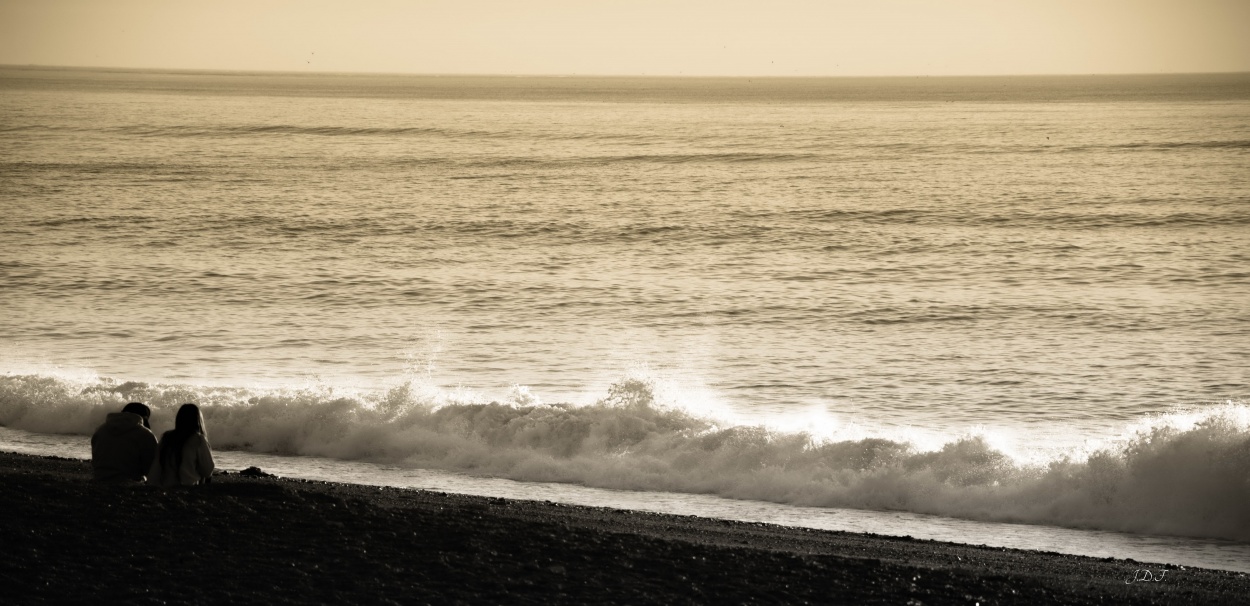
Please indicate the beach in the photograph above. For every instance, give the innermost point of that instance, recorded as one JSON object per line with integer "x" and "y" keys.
{"x": 254, "y": 539}
{"x": 1004, "y": 300}
{"x": 1003, "y": 310}
{"x": 806, "y": 302}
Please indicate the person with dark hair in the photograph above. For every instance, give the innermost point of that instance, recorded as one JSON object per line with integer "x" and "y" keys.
{"x": 184, "y": 457}
{"x": 123, "y": 448}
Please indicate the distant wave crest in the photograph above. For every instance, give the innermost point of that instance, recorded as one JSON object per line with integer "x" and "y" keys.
{"x": 246, "y": 130}
{"x": 328, "y": 130}
{"x": 1182, "y": 474}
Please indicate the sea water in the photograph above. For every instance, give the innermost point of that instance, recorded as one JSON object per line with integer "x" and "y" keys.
{"x": 963, "y": 300}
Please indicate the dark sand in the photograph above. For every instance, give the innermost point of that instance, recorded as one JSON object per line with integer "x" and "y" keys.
{"x": 244, "y": 540}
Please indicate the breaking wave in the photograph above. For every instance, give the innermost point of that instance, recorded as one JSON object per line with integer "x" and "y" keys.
{"x": 1182, "y": 474}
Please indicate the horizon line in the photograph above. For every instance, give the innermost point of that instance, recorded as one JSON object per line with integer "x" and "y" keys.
{"x": 226, "y": 71}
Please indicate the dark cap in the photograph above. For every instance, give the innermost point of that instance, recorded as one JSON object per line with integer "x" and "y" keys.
{"x": 141, "y": 409}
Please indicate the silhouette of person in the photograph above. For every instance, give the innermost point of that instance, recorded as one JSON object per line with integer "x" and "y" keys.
{"x": 123, "y": 448}
{"x": 184, "y": 457}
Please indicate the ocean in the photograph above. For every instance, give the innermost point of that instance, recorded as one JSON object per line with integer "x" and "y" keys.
{"x": 1007, "y": 306}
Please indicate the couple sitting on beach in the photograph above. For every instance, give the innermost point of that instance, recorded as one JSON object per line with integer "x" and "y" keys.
{"x": 124, "y": 449}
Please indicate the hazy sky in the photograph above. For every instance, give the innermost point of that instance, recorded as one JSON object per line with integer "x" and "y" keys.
{"x": 692, "y": 37}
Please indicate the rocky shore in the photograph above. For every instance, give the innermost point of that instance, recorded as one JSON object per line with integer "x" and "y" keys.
{"x": 250, "y": 539}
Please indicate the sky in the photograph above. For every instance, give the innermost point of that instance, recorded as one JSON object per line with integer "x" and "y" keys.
{"x": 635, "y": 37}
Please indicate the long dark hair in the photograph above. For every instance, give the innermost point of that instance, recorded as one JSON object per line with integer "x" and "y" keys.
{"x": 188, "y": 422}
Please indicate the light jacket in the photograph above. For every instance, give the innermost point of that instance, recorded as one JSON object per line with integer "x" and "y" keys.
{"x": 122, "y": 449}
{"x": 197, "y": 465}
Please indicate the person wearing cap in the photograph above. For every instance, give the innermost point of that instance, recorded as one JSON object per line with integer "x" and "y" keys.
{"x": 123, "y": 448}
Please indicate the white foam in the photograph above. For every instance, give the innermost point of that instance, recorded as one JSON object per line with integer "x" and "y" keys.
{"x": 1181, "y": 474}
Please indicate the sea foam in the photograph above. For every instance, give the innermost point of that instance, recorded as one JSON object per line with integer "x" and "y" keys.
{"x": 1186, "y": 473}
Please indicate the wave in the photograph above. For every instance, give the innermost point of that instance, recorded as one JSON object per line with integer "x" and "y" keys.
{"x": 164, "y": 170}
{"x": 1166, "y": 145}
{"x": 247, "y": 130}
{"x": 820, "y": 140}
{"x": 800, "y": 227}
{"x": 1180, "y": 474}
{"x": 288, "y": 129}
{"x": 1026, "y": 217}
{"x": 145, "y": 130}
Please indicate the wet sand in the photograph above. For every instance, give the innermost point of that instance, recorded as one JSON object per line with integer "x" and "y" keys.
{"x": 257, "y": 540}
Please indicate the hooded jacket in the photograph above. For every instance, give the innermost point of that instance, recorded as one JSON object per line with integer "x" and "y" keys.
{"x": 122, "y": 449}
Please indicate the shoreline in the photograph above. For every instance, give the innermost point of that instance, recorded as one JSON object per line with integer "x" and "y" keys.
{"x": 246, "y": 539}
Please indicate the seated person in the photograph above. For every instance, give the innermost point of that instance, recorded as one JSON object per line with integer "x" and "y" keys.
{"x": 184, "y": 457}
{"x": 123, "y": 448}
